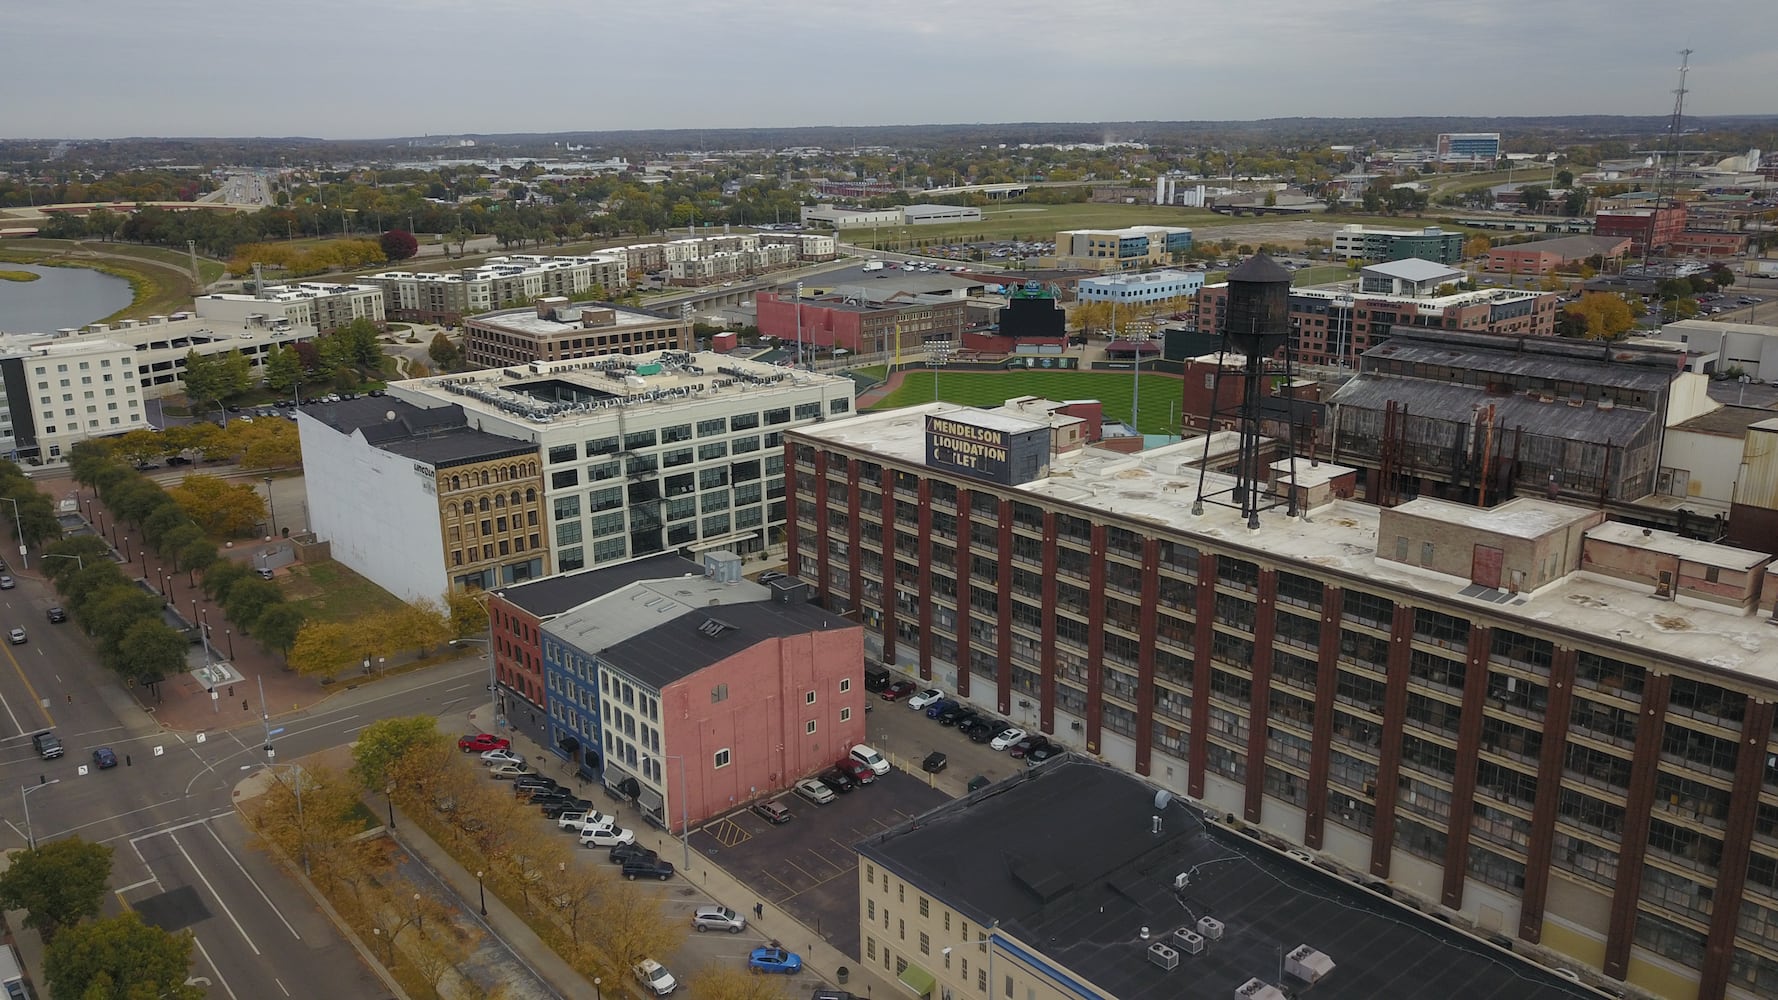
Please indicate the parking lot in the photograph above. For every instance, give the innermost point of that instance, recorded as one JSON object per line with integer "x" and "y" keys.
{"x": 807, "y": 866}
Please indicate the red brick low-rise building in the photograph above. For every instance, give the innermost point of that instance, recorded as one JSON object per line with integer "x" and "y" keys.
{"x": 1647, "y": 228}
{"x": 1547, "y": 256}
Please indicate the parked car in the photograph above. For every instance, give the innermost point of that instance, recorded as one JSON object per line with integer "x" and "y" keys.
{"x": 942, "y": 706}
{"x": 606, "y": 836}
{"x": 836, "y": 779}
{"x": 1007, "y": 738}
{"x": 7, "y": 583}
{"x": 814, "y": 791}
{"x": 718, "y": 918}
{"x": 1041, "y": 754}
{"x": 935, "y": 762}
{"x": 578, "y": 821}
{"x": 482, "y": 743}
{"x": 897, "y": 691}
{"x": 948, "y": 715}
{"x": 621, "y": 853}
{"x": 925, "y": 698}
{"x": 493, "y": 757}
{"x": 770, "y": 959}
{"x": 526, "y": 785}
{"x": 636, "y": 868}
{"x": 860, "y": 773}
{"x": 507, "y": 772}
{"x": 655, "y": 978}
{"x": 773, "y": 812}
{"x": 982, "y": 730}
{"x": 104, "y": 758}
{"x": 869, "y": 757}
{"x": 1028, "y": 744}
{"x": 56, "y": 615}
{"x": 554, "y": 806}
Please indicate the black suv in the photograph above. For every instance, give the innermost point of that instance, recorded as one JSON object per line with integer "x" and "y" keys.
{"x": 636, "y": 868}
{"x": 836, "y": 779}
{"x": 48, "y": 747}
{"x": 623, "y": 854}
{"x": 964, "y": 721}
{"x": 56, "y": 616}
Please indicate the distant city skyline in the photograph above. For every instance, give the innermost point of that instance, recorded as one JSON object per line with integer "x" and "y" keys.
{"x": 333, "y": 69}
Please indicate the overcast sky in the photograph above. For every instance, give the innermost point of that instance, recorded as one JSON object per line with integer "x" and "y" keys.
{"x": 346, "y": 69}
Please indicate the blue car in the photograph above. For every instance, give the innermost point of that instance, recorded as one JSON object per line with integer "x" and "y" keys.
{"x": 942, "y": 705}
{"x": 770, "y": 959}
{"x": 105, "y": 758}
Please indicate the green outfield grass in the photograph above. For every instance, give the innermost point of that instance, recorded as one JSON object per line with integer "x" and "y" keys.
{"x": 1160, "y": 393}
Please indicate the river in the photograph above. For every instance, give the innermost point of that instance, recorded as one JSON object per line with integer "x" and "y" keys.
{"x": 62, "y": 297}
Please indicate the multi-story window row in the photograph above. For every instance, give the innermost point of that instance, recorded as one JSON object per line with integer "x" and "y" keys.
{"x": 1383, "y": 724}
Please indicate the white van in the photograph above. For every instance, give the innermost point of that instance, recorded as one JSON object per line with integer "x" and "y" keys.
{"x": 870, "y": 758}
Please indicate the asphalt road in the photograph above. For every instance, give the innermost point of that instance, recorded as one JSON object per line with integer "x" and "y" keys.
{"x": 182, "y": 855}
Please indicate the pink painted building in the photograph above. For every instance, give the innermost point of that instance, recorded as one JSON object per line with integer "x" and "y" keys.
{"x": 693, "y": 694}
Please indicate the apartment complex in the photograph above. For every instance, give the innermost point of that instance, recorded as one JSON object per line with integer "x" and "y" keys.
{"x": 645, "y": 454}
{"x": 418, "y": 501}
{"x": 1548, "y": 256}
{"x": 448, "y": 296}
{"x": 1542, "y": 723}
{"x": 1336, "y": 325}
{"x": 1356, "y": 242}
{"x": 709, "y": 267}
{"x": 652, "y": 258}
{"x": 1132, "y": 248}
{"x": 557, "y": 329}
{"x": 312, "y": 304}
{"x": 1140, "y": 897}
{"x": 1136, "y": 289}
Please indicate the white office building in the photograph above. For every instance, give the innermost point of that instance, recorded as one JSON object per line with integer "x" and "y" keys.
{"x": 59, "y": 392}
{"x": 650, "y": 453}
{"x": 1147, "y": 286}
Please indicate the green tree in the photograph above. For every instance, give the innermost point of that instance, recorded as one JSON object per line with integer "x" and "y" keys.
{"x": 158, "y": 524}
{"x": 216, "y": 378}
{"x": 149, "y": 650}
{"x": 323, "y": 648}
{"x": 385, "y": 742}
{"x": 469, "y": 616}
{"x": 278, "y": 626}
{"x": 443, "y": 353}
{"x": 1534, "y": 197}
{"x": 120, "y": 958}
{"x": 57, "y": 884}
{"x": 247, "y": 599}
{"x": 222, "y": 577}
{"x": 283, "y": 369}
{"x": 114, "y": 610}
{"x": 1564, "y": 178}
{"x": 85, "y": 550}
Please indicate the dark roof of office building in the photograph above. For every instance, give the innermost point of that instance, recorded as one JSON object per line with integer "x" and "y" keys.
{"x": 1063, "y": 859}
{"x": 678, "y": 648}
{"x": 553, "y": 595}
{"x": 439, "y": 436}
{"x": 1728, "y": 421}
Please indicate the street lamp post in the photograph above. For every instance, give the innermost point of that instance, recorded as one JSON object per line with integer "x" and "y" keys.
{"x": 229, "y": 634}
{"x": 126, "y": 548}
{"x": 271, "y": 509}
{"x": 598, "y": 992}
{"x": 80, "y": 563}
{"x": 938, "y": 353}
{"x": 389, "y": 797}
{"x": 481, "y": 891}
{"x": 419, "y": 915}
{"x": 24, "y": 799}
{"x": 19, "y": 520}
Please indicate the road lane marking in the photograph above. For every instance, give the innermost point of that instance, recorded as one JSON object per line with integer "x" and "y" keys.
{"x": 133, "y": 886}
{"x": 219, "y": 900}
{"x": 212, "y": 963}
{"x": 254, "y": 881}
{"x": 15, "y": 719}
{"x": 31, "y": 690}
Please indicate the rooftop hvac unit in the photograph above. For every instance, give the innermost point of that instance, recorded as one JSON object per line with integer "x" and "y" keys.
{"x": 1307, "y": 964}
{"x": 1210, "y": 928}
{"x": 1189, "y": 941}
{"x": 1163, "y": 956}
{"x": 1257, "y": 989}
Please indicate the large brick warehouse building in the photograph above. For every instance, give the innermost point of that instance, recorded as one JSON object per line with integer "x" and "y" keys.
{"x": 1541, "y": 723}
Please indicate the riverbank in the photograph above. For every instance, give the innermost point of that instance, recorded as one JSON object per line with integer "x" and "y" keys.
{"x": 157, "y": 287}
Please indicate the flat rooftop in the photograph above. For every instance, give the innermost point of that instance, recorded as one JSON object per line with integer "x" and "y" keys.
{"x": 439, "y": 436}
{"x": 1083, "y": 891}
{"x": 526, "y": 320}
{"x": 293, "y": 293}
{"x": 544, "y": 392}
{"x": 501, "y": 267}
{"x": 1157, "y": 487}
{"x": 553, "y": 595}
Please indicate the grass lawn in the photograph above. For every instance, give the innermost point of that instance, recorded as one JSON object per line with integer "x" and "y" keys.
{"x": 1160, "y": 393}
{"x": 1321, "y": 274}
{"x": 331, "y": 592}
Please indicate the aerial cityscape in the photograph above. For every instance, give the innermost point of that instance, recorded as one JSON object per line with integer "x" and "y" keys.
{"x": 1303, "y": 528}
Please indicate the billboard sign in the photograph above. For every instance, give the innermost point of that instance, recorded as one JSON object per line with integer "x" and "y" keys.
{"x": 969, "y": 449}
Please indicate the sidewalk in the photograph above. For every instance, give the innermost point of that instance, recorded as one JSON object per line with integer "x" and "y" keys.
{"x": 185, "y": 704}
{"x": 818, "y": 956}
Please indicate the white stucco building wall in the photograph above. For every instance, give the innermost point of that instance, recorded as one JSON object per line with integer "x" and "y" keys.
{"x": 379, "y": 510}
